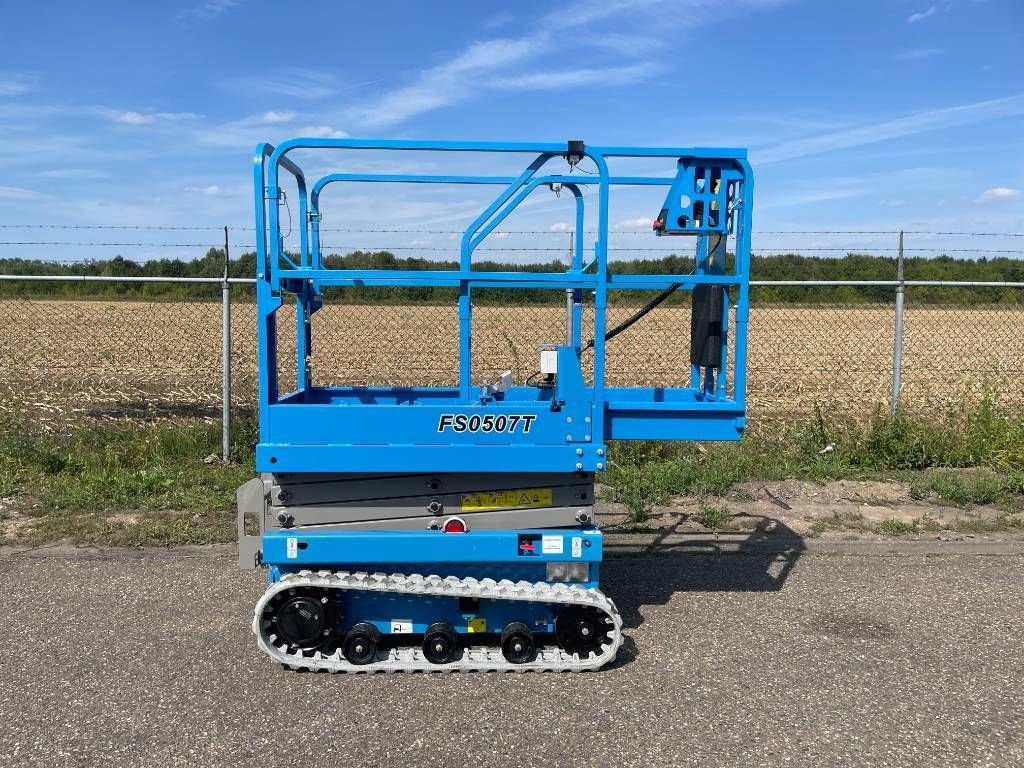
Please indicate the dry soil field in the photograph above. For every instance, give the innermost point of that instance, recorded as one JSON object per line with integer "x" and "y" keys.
{"x": 101, "y": 356}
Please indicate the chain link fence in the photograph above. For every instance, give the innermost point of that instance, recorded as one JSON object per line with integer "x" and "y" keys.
{"x": 133, "y": 358}
{"x": 954, "y": 351}
{"x": 113, "y": 358}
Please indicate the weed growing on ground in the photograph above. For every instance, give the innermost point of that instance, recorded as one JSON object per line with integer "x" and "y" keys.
{"x": 894, "y": 527}
{"x": 78, "y": 483}
{"x": 135, "y": 482}
{"x": 977, "y": 433}
{"x": 711, "y": 516}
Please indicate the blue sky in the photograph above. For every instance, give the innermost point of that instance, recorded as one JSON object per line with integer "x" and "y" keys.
{"x": 874, "y": 114}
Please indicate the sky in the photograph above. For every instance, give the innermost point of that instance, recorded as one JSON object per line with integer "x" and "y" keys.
{"x": 858, "y": 114}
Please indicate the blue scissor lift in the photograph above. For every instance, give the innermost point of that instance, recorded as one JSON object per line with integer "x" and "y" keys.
{"x": 452, "y": 527}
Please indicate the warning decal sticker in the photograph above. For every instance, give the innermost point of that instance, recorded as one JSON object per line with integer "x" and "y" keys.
{"x": 525, "y": 497}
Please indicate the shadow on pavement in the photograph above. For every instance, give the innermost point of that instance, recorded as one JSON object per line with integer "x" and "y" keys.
{"x": 645, "y": 569}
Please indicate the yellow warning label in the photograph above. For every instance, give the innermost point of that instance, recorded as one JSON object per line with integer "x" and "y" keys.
{"x": 477, "y": 624}
{"x": 525, "y": 497}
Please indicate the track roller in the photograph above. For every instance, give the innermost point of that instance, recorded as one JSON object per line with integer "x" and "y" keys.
{"x": 440, "y": 643}
{"x": 583, "y": 629}
{"x": 517, "y": 643}
{"x": 303, "y": 618}
{"x": 360, "y": 645}
{"x": 288, "y": 617}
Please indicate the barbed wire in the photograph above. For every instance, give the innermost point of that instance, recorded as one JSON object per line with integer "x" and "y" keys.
{"x": 117, "y": 245}
{"x": 548, "y": 232}
{"x": 667, "y": 250}
{"x": 116, "y": 226}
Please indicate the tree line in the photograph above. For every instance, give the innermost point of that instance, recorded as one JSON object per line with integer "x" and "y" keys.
{"x": 852, "y": 266}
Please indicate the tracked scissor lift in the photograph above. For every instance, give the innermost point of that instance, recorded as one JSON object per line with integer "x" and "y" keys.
{"x": 452, "y": 528}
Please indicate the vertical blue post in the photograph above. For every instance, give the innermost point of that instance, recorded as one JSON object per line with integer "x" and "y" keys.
{"x": 600, "y": 300}
{"x": 266, "y": 302}
{"x": 465, "y": 340}
{"x": 316, "y": 259}
{"x": 304, "y": 225}
{"x": 744, "y": 224}
{"x": 577, "y": 268}
{"x": 303, "y": 338}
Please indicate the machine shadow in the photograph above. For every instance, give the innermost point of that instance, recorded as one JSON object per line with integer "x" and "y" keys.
{"x": 646, "y": 571}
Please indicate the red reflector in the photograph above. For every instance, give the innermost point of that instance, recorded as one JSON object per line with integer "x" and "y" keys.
{"x": 658, "y": 224}
{"x": 455, "y": 525}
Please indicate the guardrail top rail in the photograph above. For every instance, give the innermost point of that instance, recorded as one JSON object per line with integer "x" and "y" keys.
{"x": 563, "y": 421}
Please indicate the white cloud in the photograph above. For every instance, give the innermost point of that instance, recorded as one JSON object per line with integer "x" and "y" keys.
{"x": 931, "y": 10}
{"x": 20, "y": 194}
{"x": 244, "y": 132}
{"x": 918, "y": 53}
{"x": 623, "y": 44}
{"x": 496, "y": 64}
{"x": 997, "y": 194}
{"x": 447, "y": 83}
{"x": 212, "y": 189}
{"x": 294, "y": 82}
{"x": 560, "y": 226}
{"x": 135, "y": 118}
{"x": 947, "y": 117}
{"x": 570, "y": 78}
{"x": 148, "y": 118}
{"x": 74, "y": 173}
{"x": 208, "y": 9}
{"x": 16, "y": 85}
{"x": 637, "y": 223}
{"x": 272, "y": 118}
{"x": 501, "y": 19}
{"x": 321, "y": 132}
{"x": 586, "y": 11}
{"x": 775, "y": 194}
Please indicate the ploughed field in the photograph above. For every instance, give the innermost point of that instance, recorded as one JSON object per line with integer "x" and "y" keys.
{"x": 118, "y": 357}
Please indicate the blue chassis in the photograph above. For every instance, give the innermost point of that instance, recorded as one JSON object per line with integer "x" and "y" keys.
{"x": 478, "y": 554}
{"x": 396, "y": 429}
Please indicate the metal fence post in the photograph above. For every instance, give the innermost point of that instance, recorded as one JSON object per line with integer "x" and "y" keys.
{"x": 225, "y": 437}
{"x": 897, "y": 342}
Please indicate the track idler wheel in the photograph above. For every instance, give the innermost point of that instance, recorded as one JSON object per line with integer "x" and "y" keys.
{"x": 517, "y": 643}
{"x": 304, "y": 618}
{"x": 360, "y": 645}
{"x": 440, "y": 643}
{"x": 582, "y": 629}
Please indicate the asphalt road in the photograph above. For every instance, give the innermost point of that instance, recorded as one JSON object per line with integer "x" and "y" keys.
{"x": 146, "y": 659}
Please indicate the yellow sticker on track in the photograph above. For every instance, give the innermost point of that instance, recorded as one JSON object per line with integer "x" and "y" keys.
{"x": 524, "y": 497}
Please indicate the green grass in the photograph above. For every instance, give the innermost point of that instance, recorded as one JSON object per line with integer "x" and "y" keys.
{"x": 967, "y": 489}
{"x": 711, "y": 516}
{"x": 840, "y": 522}
{"x": 929, "y": 453}
{"x": 85, "y": 482}
{"x": 894, "y": 527}
{"x": 147, "y": 483}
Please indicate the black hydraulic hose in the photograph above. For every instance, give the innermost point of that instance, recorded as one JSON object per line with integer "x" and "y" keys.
{"x": 625, "y": 324}
{"x": 621, "y": 326}
{"x": 649, "y": 306}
